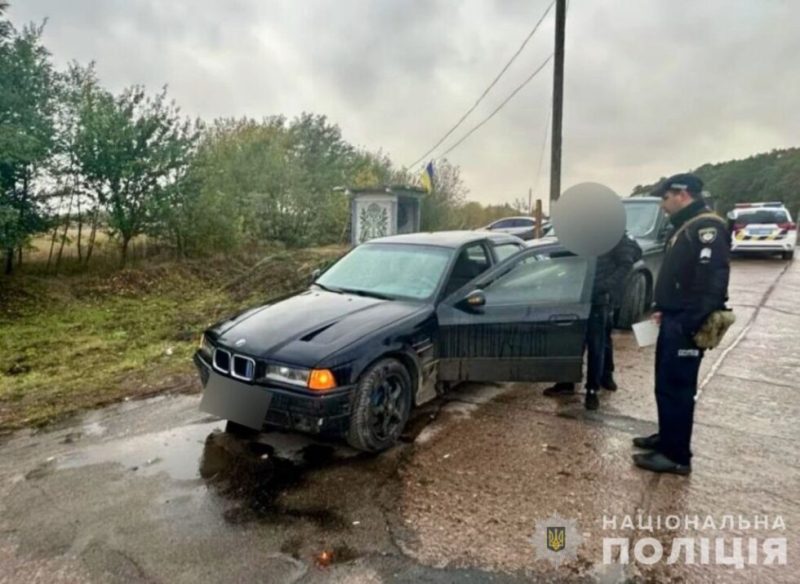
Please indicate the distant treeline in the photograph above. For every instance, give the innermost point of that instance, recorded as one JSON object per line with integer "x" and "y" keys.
{"x": 76, "y": 159}
{"x": 772, "y": 176}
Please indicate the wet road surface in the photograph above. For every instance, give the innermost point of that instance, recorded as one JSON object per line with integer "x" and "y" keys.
{"x": 153, "y": 491}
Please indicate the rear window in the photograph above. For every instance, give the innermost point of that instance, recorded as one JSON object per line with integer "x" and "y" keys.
{"x": 763, "y": 216}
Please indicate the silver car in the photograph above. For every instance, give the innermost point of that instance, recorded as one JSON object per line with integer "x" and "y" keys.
{"x": 523, "y": 227}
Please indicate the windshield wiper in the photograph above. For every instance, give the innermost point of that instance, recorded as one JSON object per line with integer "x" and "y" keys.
{"x": 368, "y": 293}
{"x": 326, "y": 288}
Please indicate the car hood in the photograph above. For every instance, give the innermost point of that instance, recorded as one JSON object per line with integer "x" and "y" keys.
{"x": 307, "y": 327}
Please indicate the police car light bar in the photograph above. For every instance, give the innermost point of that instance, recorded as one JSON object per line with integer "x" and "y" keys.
{"x": 770, "y": 204}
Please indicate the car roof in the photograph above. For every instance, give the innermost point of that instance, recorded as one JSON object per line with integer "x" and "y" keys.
{"x": 517, "y": 217}
{"x": 642, "y": 199}
{"x": 744, "y": 210}
{"x": 452, "y": 239}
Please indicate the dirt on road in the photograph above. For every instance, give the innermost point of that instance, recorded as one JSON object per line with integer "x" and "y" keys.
{"x": 153, "y": 491}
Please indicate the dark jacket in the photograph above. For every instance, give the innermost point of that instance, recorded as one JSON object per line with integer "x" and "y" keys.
{"x": 612, "y": 271}
{"x": 693, "y": 281}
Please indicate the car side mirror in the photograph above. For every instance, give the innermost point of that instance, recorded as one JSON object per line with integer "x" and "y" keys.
{"x": 314, "y": 276}
{"x": 474, "y": 299}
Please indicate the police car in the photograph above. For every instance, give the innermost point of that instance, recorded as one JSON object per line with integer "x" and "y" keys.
{"x": 762, "y": 227}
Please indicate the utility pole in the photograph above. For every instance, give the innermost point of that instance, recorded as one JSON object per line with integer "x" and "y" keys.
{"x": 537, "y": 233}
{"x": 558, "y": 101}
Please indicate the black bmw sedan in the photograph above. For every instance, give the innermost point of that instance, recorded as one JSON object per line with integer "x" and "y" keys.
{"x": 391, "y": 325}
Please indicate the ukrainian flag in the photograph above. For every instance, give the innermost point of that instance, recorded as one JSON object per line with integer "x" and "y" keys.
{"x": 427, "y": 177}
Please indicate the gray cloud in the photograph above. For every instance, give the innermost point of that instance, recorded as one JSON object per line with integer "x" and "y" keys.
{"x": 652, "y": 87}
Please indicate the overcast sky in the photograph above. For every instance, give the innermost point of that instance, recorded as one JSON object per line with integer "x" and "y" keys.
{"x": 652, "y": 86}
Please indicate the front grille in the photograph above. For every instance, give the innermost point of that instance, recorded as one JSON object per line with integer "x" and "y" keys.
{"x": 243, "y": 368}
{"x": 222, "y": 360}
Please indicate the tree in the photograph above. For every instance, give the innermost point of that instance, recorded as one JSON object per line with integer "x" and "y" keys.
{"x": 770, "y": 176}
{"x": 132, "y": 149}
{"x": 27, "y": 105}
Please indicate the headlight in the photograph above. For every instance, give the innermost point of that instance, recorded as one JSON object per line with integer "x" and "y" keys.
{"x": 206, "y": 348}
{"x": 288, "y": 374}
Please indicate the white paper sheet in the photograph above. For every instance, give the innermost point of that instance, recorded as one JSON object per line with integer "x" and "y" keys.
{"x": 646, "y": 333}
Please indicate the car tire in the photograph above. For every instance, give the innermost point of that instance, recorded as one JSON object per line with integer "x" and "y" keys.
{"x": 788, "y": 255}
{"x": 239, "y": 430}
{"x": 381, "y": 406}
{"x": 634, "y": 302}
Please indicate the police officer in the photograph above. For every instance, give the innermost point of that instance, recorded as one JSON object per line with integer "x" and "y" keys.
{"x": 692, "y": 283}
{"x": 608, "y": 287}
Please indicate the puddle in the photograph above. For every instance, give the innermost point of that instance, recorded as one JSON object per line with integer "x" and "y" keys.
{"x": 176, "y": 452}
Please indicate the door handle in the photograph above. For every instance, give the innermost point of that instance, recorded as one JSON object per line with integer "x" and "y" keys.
{"x": 563, "y": 319}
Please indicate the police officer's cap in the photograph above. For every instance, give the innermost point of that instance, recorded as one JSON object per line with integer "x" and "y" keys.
{"x": 681, "y": 182}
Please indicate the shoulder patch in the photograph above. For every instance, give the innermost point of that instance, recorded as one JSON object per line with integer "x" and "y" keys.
{"x": 707, "y": 234}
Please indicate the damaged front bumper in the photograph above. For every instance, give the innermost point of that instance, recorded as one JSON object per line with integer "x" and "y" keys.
{"x": 261, "y": 407}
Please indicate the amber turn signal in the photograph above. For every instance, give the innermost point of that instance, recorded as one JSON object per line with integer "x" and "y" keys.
{"x": 321, "y": 380}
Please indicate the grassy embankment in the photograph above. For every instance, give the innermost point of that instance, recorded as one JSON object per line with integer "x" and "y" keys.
{"x": 78, "y": 341}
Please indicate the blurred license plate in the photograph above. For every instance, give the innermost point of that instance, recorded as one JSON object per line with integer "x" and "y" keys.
{"x": 762, "y": 231}
{"x": 232, "y": 400}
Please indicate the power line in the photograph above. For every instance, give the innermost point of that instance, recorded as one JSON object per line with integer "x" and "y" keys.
{"x": 486, "y": 91}
{"x": 501, "y": 106}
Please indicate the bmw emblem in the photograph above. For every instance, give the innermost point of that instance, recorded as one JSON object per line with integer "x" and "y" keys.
{"x": 240, "y": 342}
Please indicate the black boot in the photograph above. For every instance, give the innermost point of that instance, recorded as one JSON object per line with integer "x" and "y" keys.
{"x": 646, "y": 442}
{"x": 592, "y": 401}
{"x": 657, "y": 462}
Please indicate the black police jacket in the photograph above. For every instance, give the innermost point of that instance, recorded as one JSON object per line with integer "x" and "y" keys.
{"x": 693, "y": 281}
{"x": 612, "y": 271}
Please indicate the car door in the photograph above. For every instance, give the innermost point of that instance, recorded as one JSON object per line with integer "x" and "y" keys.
{"x": 523, "y": 320}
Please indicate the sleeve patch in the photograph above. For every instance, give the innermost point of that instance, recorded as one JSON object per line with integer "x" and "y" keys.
{"x": 707, "y": 234}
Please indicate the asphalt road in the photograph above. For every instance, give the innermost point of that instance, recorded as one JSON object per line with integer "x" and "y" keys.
{"x": 152, "y": 491}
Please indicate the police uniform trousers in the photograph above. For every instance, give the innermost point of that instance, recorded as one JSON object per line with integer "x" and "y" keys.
{"x": 677, "y": 367}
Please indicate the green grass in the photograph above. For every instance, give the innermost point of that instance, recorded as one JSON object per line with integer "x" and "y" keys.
{"x": 82, "y": 341}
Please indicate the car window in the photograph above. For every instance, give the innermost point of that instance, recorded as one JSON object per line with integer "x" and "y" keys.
{"x": 503, "y": 224}
{"x": 401, "y": 270}
{"x": 641, "y": 218}
{"x": 477, "y": 254}
{"x": 540, "y": 279}
{"x": 523, "y": 223}
{"x": 471, "y": 263}
{"x": 763, "y": 216}
{"x": 506, "y": 250}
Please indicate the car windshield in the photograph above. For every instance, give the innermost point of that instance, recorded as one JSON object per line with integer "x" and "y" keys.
{"x": 389, "y": 270}
{"x": 763, "y": 216}
{"x": 640, "y": 218}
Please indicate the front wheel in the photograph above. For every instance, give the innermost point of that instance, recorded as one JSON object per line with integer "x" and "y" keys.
{"x": 381, "y": 406}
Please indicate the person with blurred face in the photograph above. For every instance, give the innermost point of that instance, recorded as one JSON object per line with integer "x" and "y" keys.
{"x": 608, "y": 289}
{"x": 692, "y": 283}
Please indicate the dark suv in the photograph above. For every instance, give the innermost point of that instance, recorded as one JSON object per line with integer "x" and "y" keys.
{"x": 651, "y": 228}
